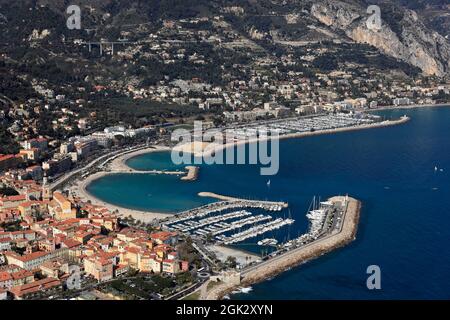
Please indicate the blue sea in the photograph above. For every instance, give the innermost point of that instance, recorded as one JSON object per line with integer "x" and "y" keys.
{"x": 405, "y": 219}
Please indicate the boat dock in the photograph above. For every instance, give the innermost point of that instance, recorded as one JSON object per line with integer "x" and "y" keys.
{"x": 216, "y": 219}
{"x": 226, "y": 205}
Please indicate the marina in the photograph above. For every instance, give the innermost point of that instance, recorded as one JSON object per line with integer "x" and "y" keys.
{"x": 303, "y": 125}
{"x": 331, "y": 237}
{"x": 217, "y": 207}
{"x": 324, "y": 219}
{"x": 226, "y": 222}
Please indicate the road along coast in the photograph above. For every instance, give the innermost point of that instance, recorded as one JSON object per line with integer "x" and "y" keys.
{"x": 295, "y": 257}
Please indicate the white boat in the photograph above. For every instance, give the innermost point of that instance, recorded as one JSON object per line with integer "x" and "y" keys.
{"x": 267, "y": 242}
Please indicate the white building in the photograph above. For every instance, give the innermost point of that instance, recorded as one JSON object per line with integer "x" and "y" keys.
{"x": 401, "y": 101}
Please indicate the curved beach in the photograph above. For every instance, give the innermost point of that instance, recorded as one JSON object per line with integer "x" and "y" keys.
{"x": 80, "y": 190}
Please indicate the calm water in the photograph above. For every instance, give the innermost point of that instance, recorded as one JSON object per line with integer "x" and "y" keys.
{"x": 405, "y": 222}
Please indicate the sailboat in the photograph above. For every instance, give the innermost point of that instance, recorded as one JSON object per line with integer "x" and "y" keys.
{"x": 435, "y": 168}
{"x": 268, "y": 183}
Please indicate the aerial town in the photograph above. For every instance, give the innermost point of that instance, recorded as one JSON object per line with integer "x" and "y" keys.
{"x": 101, "y": 96}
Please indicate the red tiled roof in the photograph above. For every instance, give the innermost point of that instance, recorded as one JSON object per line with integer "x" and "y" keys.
{"x": 19, "y": 197}
{"x": 5, "y": 276}
{"x": 21, "y": 274}
{"x": 163, "y": 235}
{"x": 35, "y": 286}
{"x": 27, "y": 257}
{"x": 71, "y": 243}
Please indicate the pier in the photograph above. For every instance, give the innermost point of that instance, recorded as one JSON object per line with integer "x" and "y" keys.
{"x": 227, "y": 198}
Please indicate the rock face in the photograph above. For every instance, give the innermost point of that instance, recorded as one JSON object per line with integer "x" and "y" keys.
{"x": 412, "y": 43}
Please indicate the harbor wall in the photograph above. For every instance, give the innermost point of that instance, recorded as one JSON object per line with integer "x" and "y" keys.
{"x": 295, "y": 257}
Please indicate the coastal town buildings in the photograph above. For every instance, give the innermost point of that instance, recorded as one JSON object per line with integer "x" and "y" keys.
{"x": 53, "y": 235}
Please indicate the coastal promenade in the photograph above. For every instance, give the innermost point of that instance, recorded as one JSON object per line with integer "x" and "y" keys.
{"x": 110, "y": 164}
{"x": 294, "y": 257}
{"x": 115, "y": 164}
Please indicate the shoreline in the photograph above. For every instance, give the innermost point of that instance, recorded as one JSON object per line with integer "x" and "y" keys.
{"x": 192, "y": 173}
{"x": 214, "y": 148}
{"x": 296, "y": 257}
{"x": 79, "y": 187}
{"x": 120, "y": 164}
{"x": 80, "y": 190}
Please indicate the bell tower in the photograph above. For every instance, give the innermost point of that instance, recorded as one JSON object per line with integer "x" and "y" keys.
{"x": 46, "y": 191}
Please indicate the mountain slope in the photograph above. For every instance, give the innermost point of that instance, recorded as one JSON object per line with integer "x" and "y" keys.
{"x": 403, "y": 36}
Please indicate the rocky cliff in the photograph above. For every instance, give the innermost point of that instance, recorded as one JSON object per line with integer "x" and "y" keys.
{"x": 404, "y": 36}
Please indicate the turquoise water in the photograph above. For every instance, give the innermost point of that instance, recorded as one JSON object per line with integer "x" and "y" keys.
{"x": 405, "y": 222}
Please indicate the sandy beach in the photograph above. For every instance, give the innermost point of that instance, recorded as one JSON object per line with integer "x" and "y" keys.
{"x": 279, "y": 264}
{"x": 242, "y": 257}
{"x": 120, "y": 162}
{"x": 79, "y": 188}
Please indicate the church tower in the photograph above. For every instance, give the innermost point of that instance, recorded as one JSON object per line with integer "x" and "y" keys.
{"x": 46, "y": 191}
